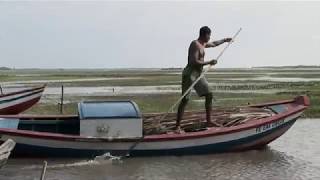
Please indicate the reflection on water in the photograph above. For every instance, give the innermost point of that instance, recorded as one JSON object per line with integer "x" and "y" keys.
{"x": 293, "y": 156}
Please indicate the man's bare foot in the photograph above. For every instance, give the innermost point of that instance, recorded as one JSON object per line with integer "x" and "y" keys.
{"x": 179, "y": 130}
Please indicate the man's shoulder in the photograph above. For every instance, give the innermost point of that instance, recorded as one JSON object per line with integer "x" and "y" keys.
{"x": 195, "y": 44}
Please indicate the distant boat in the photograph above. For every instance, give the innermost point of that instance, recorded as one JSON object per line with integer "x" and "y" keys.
{"x": 5, "y": 150}
{"x": 18, "y": 101}
{"x": 118, "y": 127}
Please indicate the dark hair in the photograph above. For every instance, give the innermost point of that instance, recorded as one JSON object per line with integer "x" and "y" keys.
{"x": 204, "y": 30}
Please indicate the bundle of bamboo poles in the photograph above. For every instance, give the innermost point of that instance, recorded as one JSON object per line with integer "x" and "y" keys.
{"x": 195, "y": 120}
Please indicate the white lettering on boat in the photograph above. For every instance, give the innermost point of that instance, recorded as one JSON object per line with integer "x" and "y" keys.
{"x": 269, "y": 126}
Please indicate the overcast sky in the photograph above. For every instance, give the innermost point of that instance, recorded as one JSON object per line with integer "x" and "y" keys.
{"x": 155, "y": 34}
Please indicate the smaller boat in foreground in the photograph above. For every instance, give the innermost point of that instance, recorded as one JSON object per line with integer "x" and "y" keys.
{"x": 5, "y": 151}
{"x": 15, "y": 102}
{"x": 118, "y": 127}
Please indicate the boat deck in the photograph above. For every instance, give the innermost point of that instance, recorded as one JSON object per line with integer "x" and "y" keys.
{"x": 153, "y": 123}
{"x": 196, "y": 120}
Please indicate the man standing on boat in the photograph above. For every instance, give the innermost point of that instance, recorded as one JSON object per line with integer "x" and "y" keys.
{"x": 194, "y": 69}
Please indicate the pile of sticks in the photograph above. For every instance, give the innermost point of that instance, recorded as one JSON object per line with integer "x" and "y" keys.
{"x": 196, "y": 120}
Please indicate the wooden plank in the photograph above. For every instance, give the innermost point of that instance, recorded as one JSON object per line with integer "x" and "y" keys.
{"x": 222, "y": 117}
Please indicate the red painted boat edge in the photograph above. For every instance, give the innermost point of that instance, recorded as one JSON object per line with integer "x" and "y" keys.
{"x": 18, "y": 108}
{"x": 300, "y": 105}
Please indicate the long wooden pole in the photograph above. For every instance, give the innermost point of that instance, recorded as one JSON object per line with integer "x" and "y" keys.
{"x": 43, "y": 172}
{"x": 61, "y": 100}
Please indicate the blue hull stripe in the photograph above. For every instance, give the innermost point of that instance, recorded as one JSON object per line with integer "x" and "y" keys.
{"x": 20, "y": 97}
{"x": 29, "y": 150}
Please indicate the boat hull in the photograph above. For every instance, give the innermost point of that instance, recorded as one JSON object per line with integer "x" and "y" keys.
{"x": 253, "y": 138}
{"x": 5, "y": 151}
{"x": 17, "y": 102}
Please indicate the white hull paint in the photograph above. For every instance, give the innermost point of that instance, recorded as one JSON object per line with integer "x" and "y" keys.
{"x": 20, "y": 101}
{"x": 100, "y": 144}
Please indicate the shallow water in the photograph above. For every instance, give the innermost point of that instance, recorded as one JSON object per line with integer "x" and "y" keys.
{"x": 295, "y": 155}
{"x": 278, "y": 79}
{"x": 68, "y": 80}
{"x": 136, "y": 90}
{"x": 132, "y": 90}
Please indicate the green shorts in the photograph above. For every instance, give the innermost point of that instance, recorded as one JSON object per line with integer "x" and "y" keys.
{"x": 189, "y": 75}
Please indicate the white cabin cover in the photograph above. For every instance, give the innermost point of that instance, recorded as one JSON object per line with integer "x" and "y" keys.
{"x": 110, "y": 119}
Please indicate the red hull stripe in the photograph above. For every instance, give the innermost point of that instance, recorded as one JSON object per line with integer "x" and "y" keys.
{"x": 18, "y": 108}
{"x": 293, "y": 109}
{"x": 165, "y": 137}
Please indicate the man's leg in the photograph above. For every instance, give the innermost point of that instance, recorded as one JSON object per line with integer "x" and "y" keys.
{"x": 202, "y": 88}
{"x": 186, "y": 83}
{"x": 208, "y": 105}
{"x": 181, "y": 108}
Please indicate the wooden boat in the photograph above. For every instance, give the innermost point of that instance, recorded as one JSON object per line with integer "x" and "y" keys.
{"x": 118, "y": 127}
{"x": 18, "y": 101}
{"x": 5, "y": 150}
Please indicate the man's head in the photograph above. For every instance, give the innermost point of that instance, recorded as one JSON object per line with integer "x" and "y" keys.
{"x": 205, "y": 33}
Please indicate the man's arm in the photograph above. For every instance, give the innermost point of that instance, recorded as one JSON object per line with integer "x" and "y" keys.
{"x": 217, "y": 43}
{"x": 195, "y": 49}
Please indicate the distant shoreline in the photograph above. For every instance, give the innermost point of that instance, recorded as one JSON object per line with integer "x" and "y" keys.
{"x": 165, "y": 68}
{"x": 285, "y": 67}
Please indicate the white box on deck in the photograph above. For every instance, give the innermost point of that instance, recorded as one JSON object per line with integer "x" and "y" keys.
{"x": 110, "y": 119}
